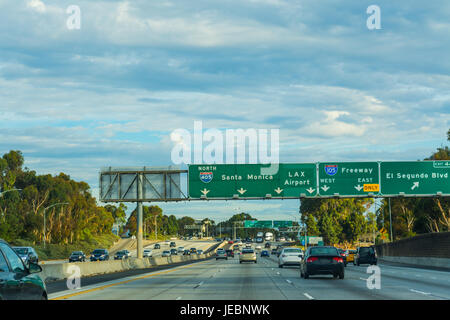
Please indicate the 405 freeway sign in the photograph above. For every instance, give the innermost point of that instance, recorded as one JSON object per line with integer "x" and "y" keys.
{"x": 227, "y": 181}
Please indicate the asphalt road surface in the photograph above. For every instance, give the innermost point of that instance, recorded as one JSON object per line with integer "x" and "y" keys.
{"x": 229, "y": 280}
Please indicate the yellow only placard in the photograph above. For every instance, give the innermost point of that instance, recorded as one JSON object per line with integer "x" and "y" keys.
{"x": 371, "y": 187}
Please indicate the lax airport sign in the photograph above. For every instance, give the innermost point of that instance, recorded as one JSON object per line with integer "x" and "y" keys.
{"x": 319, "y": 180}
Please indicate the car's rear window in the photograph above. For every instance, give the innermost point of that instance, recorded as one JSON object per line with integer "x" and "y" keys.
{"x": 21, "y": 250}
{"x": 366, "y": 250}
{"x": 99, "y": 252}
{"x": 323, "y": 251}
{"x": 247, "y": 251}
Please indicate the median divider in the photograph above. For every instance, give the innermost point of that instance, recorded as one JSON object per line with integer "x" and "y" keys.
{"x": 53, "y": 272}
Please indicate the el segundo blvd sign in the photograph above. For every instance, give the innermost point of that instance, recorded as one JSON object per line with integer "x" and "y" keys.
{"x": 316, "y": 180}
{"x": 415, "y": 178}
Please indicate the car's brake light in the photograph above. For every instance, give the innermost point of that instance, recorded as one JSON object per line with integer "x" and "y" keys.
{"x": 338, "y": 260}
{"x": 312, "y": 259}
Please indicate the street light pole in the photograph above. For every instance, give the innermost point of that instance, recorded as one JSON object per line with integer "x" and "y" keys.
{"x": 51, "y": 206}
{"x": 390, "y": 219}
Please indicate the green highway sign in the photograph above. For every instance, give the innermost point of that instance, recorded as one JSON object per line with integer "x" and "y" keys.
{"x": 324, "y": 179}
{"x": 282, "y": 223}
{"x": 267, "y": 223}
{"x": 227, "y": 181}
{"x": 415, "y": 178}
{"x": 348, "y": 178}
{"x": 258, "y": 224}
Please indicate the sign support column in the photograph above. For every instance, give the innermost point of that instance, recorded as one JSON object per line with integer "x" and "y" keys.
{"x": 139, "y": 216}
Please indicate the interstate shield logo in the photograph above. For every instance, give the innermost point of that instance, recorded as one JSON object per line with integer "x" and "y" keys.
{"x": 331, "y": 169}
{"x": 206, "y": 176}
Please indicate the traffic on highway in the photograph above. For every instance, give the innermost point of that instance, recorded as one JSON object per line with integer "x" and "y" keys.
{"x": 318, "y": 274}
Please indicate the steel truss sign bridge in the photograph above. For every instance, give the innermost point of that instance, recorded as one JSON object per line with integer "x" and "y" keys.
{"x": 289, "y": 181}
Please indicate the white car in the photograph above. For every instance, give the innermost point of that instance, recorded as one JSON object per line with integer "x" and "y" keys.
{"x": 147, "y": 253}
{"x": 290, "y": 257}
{"x": 180, "y": 249}
{"x": 258, "y": 247}
{"x": 166, "y": 253}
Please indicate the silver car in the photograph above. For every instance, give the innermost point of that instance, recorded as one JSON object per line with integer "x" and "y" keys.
{"x": 166, "y": 253}
{"x": 290, "y": 257}
{"x": 147, "y": 253}
{"x": 221, "y": 254}
{"x": 27, "y": 254}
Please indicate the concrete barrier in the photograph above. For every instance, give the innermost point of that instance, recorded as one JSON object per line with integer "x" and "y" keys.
{"x": 419, "y": 261}
{"x": 51, "y": 272}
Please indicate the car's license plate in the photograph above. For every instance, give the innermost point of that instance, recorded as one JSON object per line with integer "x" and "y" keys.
{"x": 324, "y": 260}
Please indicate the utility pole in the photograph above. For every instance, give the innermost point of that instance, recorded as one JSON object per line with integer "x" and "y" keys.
{"x": 139, "y": 219}
{"x": 375, "y": 221}
{"x": 390, "y": 219}
{"x": 156, "y": 230}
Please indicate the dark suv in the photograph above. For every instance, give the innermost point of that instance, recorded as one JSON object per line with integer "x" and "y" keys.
{"x": 99, "y": 255}
{"x": 77, "y": 256}
{"x": 230, "y": 253}
{"x": 365, "y": 255}
{"x": 17, "y": 281}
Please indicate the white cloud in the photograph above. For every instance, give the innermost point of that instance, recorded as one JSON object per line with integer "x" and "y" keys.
{"x": 37, "y": 5}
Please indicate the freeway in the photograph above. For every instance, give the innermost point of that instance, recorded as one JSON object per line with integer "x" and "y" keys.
{"x": 187, "y": 244}
{"x": 227, "y": 279}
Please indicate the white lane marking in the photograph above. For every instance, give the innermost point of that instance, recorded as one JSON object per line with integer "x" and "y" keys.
{"x": 272, "y": 269}
{"x": 288, "y": 281}
{"x": 178, "y": 298}
{"x": 363, "y": 279}
{"x": 308, "y": 296}
{"x": 421, "y": 292}
{"x": 434, "y": 278}
{"x": 278, "y": 273}
{"x": 198, "y": 285}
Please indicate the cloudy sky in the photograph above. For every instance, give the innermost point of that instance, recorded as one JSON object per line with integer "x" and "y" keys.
{"x": 111, "y": 92}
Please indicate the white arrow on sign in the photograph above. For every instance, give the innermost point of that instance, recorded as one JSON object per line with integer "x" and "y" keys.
{"x": 310, "y": 190}
{"x": 241, "y": 190}
{"x": 325, "y": 188}
{"x": 278, "y": 190}
{"x": 358, "y": 187}
{"x": 415, "y": 185}
{"x": 204, "y": 191}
